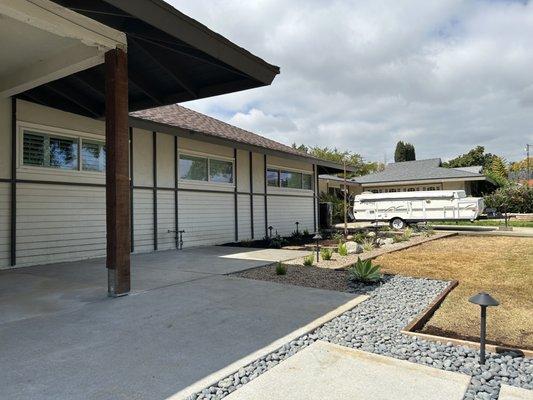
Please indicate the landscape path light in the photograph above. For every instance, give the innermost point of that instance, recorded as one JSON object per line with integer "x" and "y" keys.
{"x": 484, "y": 300}
{"x": 297, "y": 223}
{"x": 270, "y": 231}
{"x": 317, "y": 237}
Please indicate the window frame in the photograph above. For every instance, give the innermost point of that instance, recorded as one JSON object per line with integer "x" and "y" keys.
{"x": 208, "y": 158}
{"x": 281, "y": 169}
{"x": 51, "y": 131}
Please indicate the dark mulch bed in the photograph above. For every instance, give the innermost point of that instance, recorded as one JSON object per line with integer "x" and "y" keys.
{"x": 320, "y": 278}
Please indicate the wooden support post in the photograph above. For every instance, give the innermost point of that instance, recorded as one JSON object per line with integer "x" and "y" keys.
{"x": 117, "y": 173}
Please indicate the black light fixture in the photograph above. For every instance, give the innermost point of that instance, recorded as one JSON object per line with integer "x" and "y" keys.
{"x": 317, "y": 237}
{"x": 297, "y": 223}
{"x": 270, "y": 231}
{"x": 483, "y": 300}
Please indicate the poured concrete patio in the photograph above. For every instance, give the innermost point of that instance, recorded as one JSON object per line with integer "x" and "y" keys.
{"x": 62, "y": 338}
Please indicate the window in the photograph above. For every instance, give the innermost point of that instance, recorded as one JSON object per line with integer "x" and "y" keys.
{"x": 193, "y": 168}
{"x": 272, "y": 177}
{"x": 93, "y": 156}
{"x": 307, "y": 181}
{"x": 49, "y": 151}
{"x": 291, "y": 180}
{"x": 197, "y": 168}
{"x": 220, "y": 171}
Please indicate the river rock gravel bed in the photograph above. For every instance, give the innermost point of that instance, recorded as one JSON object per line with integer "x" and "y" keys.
{"x": 375, "y": 325}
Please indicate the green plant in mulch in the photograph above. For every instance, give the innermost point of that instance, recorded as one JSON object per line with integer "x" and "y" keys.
{"x": 326, "y": 253}
{"x": 306, "y": 232}
{"x": 368, "y": 244}
{"x": 337, "y": 236}
{"x": 246, "y": 243}
{"x": 359, "y": 237}
{"x": 281, "y": 269}
{"x": 343, "y": 249}
{"x": 404, "y": 237}
{"x": 364, "y": 271}
{"x": 275, "y": 242}
{"x": 429, "y": 231}
{"x": 309, "y": 260}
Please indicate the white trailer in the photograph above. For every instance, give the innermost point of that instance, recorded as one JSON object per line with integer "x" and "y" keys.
{"x": 402, "y": 208}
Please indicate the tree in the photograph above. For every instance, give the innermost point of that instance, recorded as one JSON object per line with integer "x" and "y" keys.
{"x": 404, "y": 152}
{"x": 353, "y": 160}
{"x": 474, "y": 157}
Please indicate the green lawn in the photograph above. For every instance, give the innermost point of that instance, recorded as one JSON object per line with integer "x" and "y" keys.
{"x": 482, "y": 222}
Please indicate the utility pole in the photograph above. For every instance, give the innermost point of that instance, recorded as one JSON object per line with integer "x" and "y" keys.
{"x": 527, "y": 161}
{"x": 345, "y": 205}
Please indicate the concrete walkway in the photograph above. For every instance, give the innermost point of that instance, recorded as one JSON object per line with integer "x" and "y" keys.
{"x": 62, "y": 338}
{"x": 329, "y": 371}
{"x": 513, "y": 393}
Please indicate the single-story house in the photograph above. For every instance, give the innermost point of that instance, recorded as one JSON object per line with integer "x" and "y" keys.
{"x": 425, "y": 175}
{"x": 84, "y": 173}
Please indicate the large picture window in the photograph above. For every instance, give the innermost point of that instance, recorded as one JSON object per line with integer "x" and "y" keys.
{"x": 289, "y": 179}
{"x": 44, "y": 150}
{"x": 197, "y": 168}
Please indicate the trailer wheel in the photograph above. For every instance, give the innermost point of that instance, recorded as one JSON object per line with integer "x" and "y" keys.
{"x": 397, "y": 223}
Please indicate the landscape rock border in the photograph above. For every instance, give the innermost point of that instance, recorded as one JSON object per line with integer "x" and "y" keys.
{"x": 375, "y": 326}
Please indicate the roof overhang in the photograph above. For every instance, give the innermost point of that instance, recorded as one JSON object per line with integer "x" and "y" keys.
{"x": 171, "y": 58}
{"x": 43, "y": 42}
{"x": 423, "y": 181}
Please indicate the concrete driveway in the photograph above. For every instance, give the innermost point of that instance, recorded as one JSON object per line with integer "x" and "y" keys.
{"x": 61, "y": 338}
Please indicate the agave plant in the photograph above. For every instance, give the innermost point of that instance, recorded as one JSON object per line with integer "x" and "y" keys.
{"x": 364, "y": 271}
{"x": 326, "y": 253}
{"x": 343, "y": 249}
{"x": 368, "y": 244}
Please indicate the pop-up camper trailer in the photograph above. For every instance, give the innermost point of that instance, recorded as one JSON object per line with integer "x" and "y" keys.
{"x": 401, "y": 208}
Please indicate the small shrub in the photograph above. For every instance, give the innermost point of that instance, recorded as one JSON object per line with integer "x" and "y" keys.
{"x": 326, "y": 253}
{"x": 430, "y": 231}
{"x": 368, "y": 245}
{"x": 359, "y": 238}
{"x": 408, "y": 232}
{"x": 276, "y": 242}
{"x": 246, "y": 243}
{"x": 281, "y": 269}
{"x": 364, "y": 271}
{"x": 306, "y": 232}
{"x": 343, "y": 249}
{"x": 309, "y": 260}
{"x": 337, "y": 236}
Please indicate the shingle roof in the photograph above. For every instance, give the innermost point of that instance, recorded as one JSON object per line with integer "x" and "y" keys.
{"x": 336, "y": 178}
{"x": 181, "y": 117}
{"x": 416, "y": 170}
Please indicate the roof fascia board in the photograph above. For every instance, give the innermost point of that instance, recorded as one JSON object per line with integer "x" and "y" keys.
{"x": 411, "y": 182}
{"x": 58, "y": 20}
{"x": 169, "y": 20}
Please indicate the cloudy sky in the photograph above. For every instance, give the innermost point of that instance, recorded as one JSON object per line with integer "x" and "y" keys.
{"x": 444, "y": 75}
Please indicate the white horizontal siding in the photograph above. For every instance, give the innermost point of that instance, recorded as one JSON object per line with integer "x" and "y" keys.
{"x": 5, "y": 225}
{"x": 207, "y": 218}
{"x": 59, "y": 223}
{"x": 165, "y": 220}
{"x": 284, "y": 211}
{"x": 259, "y": 217}
{"x": 143, "y": 220}
{"x": 243, "y": 214}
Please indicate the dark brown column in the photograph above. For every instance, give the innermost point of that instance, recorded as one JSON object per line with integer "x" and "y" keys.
{"x": 117, "y": 173}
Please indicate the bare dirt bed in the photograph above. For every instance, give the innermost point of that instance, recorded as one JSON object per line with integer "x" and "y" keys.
{"x": 502, "y": 266}
{"x": 314, "y": 277}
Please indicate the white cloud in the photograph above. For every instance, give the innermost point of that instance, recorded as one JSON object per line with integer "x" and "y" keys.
{"x": 445, "y": 75}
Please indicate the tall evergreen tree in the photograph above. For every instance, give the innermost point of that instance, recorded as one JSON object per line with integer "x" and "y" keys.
{"x": 404, "y": 152}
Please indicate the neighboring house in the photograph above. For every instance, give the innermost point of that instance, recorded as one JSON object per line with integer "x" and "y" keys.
{"x": 425, "y": 175}
{"x": 334, "y": 185}
{"x": 80, "y": 178}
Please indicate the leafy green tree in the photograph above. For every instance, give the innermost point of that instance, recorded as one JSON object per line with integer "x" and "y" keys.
{"x": 511, "y": 198}
{"x": 353, "y": 160}
{"x": 404, "y": 152}
{"x": 475, "y": 156}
